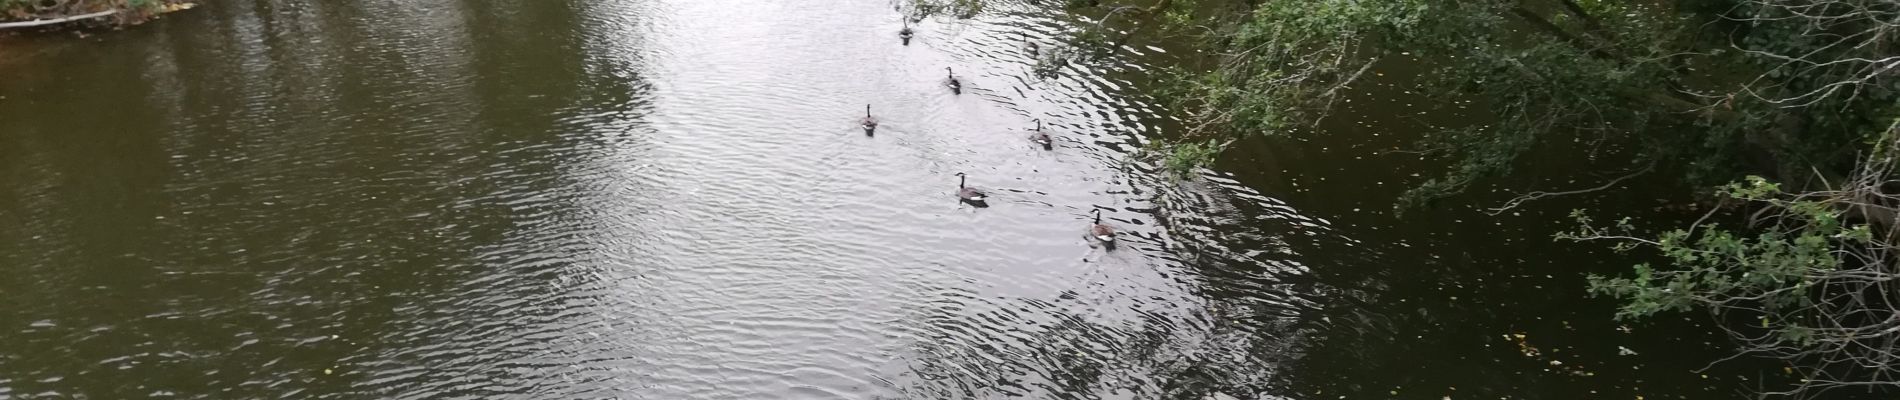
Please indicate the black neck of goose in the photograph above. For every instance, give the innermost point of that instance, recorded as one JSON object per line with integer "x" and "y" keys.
{"x": 960, "y": 180}
{"x": 1098, "y": 217}
{"x": 867, "y": 110}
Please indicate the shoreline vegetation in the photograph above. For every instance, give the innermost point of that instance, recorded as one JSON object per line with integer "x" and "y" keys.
{"x": 18, "y": 15}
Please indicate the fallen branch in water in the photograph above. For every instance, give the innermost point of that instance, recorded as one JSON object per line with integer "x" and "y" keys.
{"x": 61, "y": 20}
{"x": 1541, "y": 194}
{"x": 162, "y": 9}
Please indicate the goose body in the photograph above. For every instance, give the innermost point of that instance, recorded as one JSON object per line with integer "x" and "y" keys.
{"x": 955, "y": 86}
{"x": 869, "y": 123}
{"x": 968, "y": 194}
{"x": 1101, "y": 232}
{"x": 1042, "y": 138}
{"x": 971, "y": 194}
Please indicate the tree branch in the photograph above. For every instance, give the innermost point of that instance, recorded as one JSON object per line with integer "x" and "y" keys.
{"x": 1575, "y": 41}
{"x": 1542, "y": 194}
{"x": 43, "y": 22}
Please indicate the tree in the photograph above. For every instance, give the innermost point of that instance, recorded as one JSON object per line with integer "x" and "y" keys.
{"x": 1803, "y": 91}
{"x": 1817, "y": 284}
{"x": 1715, "y": 90}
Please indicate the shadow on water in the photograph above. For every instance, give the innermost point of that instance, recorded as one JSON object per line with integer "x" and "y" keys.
{"x": 673, "y": 199}
{"x": 268, "y": 199}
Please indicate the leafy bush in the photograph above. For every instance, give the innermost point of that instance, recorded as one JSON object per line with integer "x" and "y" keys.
{"x": 1815, "y": 278}
{"x": 1182, "y": 158}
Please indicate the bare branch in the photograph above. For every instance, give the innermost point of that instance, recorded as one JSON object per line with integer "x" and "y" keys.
{"x": 1519, "y": 200}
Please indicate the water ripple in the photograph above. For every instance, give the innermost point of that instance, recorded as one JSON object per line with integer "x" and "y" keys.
{"x": 658, "y": 200}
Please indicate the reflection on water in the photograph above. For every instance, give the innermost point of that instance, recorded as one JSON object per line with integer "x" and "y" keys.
{"x": 670, "y": 199}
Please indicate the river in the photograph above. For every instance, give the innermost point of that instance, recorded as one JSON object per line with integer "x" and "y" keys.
{"x": 671, "y": 199}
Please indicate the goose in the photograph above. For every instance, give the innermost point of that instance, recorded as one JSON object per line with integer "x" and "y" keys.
{"x": 869, "y": 122}
{"x": 906, "y": 33}
{"x": 955, "y": 87}
{"x": 1042, "y": 138}
{"x": 969, "y": 194}
{"x": 1103, "y": 233}
{"x": 1028, "y": 45}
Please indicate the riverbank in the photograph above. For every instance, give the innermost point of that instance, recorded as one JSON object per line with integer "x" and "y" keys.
{"x": 20, "y": 22}
{"x": 67, "y": 14}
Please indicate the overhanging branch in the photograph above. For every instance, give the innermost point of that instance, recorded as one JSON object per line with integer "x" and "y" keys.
{"x": 1542, "y": 194}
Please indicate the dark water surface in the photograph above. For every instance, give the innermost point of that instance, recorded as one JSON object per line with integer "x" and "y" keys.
{"x": 669, "y": 199}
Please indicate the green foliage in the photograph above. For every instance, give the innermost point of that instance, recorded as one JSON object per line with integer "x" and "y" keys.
{"x": 1661, "y": 79}
{"x": 1181, "y": 158}
{"x": 1293, "y": 60}
{"x": 1813, "y": 275}
{"x": 1777, "y": 266}
{"x": 959, "y": 9}
{"x": 1547, "y": 73}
